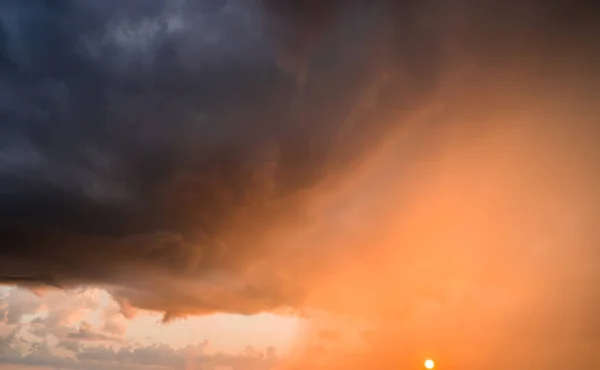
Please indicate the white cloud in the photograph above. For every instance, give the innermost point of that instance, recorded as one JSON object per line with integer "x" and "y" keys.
{"x": 84, "y": 329}
{"x": 17, "y": 303}
{"x": 37, "y": 351}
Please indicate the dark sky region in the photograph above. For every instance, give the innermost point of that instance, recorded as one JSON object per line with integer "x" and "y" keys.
{"x": 194, "y": 157}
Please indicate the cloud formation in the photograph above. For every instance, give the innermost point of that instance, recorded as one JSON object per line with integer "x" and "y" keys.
{"x": 65, "y": 315}
{"x": 423, "y": 169}
{"x": 40, "y": 351}
{"x": 76, "y": 330}
{"x": 161, "y": 146}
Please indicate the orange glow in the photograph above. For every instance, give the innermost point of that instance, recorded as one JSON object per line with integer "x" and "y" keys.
{"x": 453, "y": 252}
{"x": 417, "y": 182}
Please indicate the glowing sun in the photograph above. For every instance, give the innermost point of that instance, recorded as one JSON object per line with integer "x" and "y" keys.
{"x": 429, "y": 364}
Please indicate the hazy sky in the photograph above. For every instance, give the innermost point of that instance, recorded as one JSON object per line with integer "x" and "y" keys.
{"x": 286, "y": 184}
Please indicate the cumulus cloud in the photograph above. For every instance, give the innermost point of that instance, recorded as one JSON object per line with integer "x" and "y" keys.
{"x": 87, "y": 333}
{"x": 90, "y": 336}
{"x": 424, "y": 169}
{"x": 16, "y": 304}
{"x": 64, "y": 315}
{"x": 44, "y": 353}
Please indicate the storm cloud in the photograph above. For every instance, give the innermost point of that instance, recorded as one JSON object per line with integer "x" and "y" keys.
{"x": 172, "y": 151}
{"x": 147, "y": 141}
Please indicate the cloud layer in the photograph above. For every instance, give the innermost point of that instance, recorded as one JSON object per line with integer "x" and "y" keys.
{"x": 162, "y": 145}
{"x": 423, "y": 169}
{"x": 82, "y": 330}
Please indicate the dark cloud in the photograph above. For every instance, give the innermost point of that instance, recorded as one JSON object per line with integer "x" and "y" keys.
{"x": 147, "y": 143}
{"x": 171, "y": 151}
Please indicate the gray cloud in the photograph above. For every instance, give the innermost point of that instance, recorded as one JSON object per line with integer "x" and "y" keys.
{"x": 131, "y": 357}
{"x": 87, "y": 333}
{"x": 160, "y": 145}
{"x": 16, "y": 304}
{"x": 170, "y": 152}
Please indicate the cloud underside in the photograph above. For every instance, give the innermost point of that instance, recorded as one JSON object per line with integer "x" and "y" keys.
{"x": 159, "y": 149}
{"x": 195, "y": 157}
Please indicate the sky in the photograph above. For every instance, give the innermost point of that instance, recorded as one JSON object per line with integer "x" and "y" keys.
{"x": 294, "y": 185}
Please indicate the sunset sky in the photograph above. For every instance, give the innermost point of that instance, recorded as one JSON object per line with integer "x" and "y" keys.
{"x": 295, "y": 185}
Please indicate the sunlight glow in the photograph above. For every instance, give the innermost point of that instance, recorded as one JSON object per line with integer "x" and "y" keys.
{"x": 429, "y": 364}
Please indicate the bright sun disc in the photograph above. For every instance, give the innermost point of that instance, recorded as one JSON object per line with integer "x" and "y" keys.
{"x": 429, "y": 364}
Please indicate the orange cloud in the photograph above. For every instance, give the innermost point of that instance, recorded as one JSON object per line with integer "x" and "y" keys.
{"x": 429, "y": 191}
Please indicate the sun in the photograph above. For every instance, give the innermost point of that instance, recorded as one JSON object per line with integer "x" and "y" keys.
{"x": 429, "y": 364}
